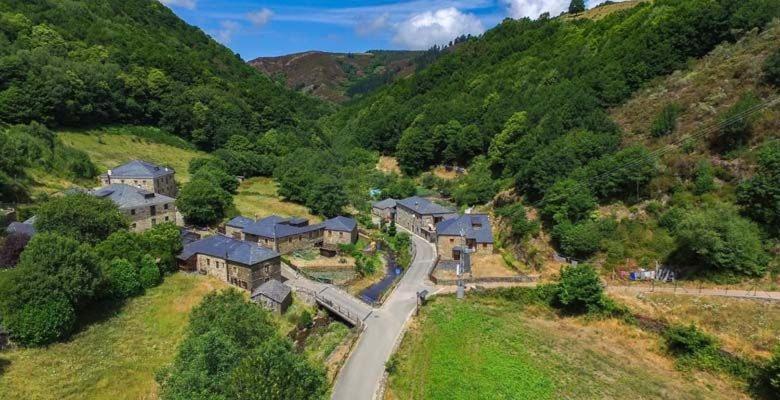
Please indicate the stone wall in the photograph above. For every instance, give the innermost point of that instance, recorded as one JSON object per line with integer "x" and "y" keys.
{"x": 239, "y": 275}
{"x": 407, "y": 219}
{"x": 299, "y": 242}
{"x": 335, "y": 238}
{"x": 141, "y": 218}
{"x": 445, "y": 245}
{"x": 235, "y": 233}
{"x": 165, "y": 185}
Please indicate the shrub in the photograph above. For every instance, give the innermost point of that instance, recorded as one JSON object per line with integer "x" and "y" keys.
{"x": 567, "y": 200}
{"x": 122, "y": 279}
{"x": 771, "y": 375}
{"x": 305, "y": 321}
{"x": 772, "y": 69}
{"x": 520, "y": 226}
{"x": 666, "y": 122}
{"x": 42, "y": 320}
{"x": 738, "y": 124}
{"x": 582, "y": 239}
{"x": 391, "y": 366}
{"x": 203, "y": 202}
{"x": 687, "y": 340}
{"x": 580, "y": 289}
{"x": 149, "y": 273}
{"x": 720, "y": 242}
{"x": 704, "y": 181}
{"x": 81, "y": 216}
{"x": 759, "y": 196}
{"x": 365, "y": 265}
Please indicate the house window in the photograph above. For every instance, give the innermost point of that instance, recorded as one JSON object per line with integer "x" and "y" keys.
{"x": 165, "y": 206}
{"x": 153, "y": 210}
{"x": 132, "y": 212}
{"x": 166, "y": 219}
{"x": 452, "y": 240}
{"x": 484, "y": 245}
{"x": 154, "y": 221}
{"x": 341, "y": 234}
{"x": 208, "y": 262}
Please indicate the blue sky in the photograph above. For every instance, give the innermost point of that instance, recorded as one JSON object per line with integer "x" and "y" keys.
{"x": 255, "y": 28}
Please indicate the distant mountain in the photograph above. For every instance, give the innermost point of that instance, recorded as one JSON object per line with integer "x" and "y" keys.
{"x": 339, "y": 76}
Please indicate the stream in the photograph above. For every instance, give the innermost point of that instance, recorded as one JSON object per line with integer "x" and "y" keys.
{"x": 373, "y": 294}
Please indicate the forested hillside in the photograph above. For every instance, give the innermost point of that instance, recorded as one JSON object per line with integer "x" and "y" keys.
{"x": 525, "y": 106}
{"x": 76, "y": 63}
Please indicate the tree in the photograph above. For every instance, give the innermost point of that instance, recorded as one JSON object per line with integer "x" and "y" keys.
{"x": 41, "y": 320}
{"x": 275, "y": 372}
{"x": 163, "y": 243}
{"x": 83, "y": 217}
{"x": 520, "y": 226}
{"x": 581, "y": 239}
{"x": 326, "y": 197}
{"x": 149, "y": 273}
{"x": 568, "y": 200}
{"x": 415, "y": 151}
{"x": 576, "y": 6}
{"x": 717, "y": 241}
{"x": 580, "y": 289}
{"x": 759, "y": 196}
{"x": 203, "y": 203}
{"x": 392, "y": 230}
{"x": 218, "y": 176}
{"x": 11, "y": 248}
{"x": 399, "y": 188}
{"x": 476, "y": 187}
{"x": 704, "y": 182}
{"x": 772, "y": 69}
{"x": 122, "y": 279}
{"x": 66, "y": 265}
{"x": 365, "y": 265}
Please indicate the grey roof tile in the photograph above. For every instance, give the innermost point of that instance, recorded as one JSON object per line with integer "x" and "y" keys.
{"x": 384, "y": 204}
{"x": 341, "y": 224}
{"x": 274, "y": 290}
{"x": 475, "y": 226}
{"x": 126, "y": 196}
{"x": 424, "y": 206}
{"x": 276, "y": 227}
{"x": 140, "y": 169}
{"x": 240, "y": 222}
{"x": 230, "y": 249}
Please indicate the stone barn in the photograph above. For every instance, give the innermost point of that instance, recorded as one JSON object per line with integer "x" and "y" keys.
{"x": 274, "y": 295}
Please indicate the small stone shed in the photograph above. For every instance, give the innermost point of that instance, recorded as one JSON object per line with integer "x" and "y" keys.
{"x": 274, "y": 295}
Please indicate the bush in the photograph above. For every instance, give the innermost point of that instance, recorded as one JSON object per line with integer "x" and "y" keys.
{"x": 41, "y": 321}
{"x": 739, "y": 124}
{"x": 391, "y": 366}
{"x": 519, "y": 224}
{"x": 580, "y": 290}
{"x": 719, "y": 242}
{"x": 83, "y": 217}
{"x": 567, "y": 200}
{"x": 696, "y": 349}
{"x": 687, "y": 340}
{"x": 122, "y": 279}
{"x": 582, "y": 239}
{"x": 666, "y": 122}
{"x": 203, "y": 203}
{"x": 759, "y": 196}
{"x": 365, "y": 265}
{"x": 305, "y": 321}
{"x": 149, "y": 273}
{"x": 772, "y": 69}
{"x": 704, "y": 181}
{"x": 770, "y": 378}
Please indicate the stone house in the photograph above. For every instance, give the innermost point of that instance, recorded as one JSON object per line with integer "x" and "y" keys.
{"x": 283, "y": 235}
{"x": 274, "y": 295}
{"x": 145, "y": 209}
{"x": 472, "y": 231}
{"x": 153, "y": 178}
{"x": 383, "y": 210}
{"x": 421, "y": 216}
{"x": 239, "y": 263}
{"x": 340, "y": 230}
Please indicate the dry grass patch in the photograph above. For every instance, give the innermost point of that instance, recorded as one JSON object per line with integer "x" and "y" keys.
{"x": 258, "y": 198}
{"x": 748, "y": 327}
{"x": 113, "y": 359}
{"x": 388, "y": 165}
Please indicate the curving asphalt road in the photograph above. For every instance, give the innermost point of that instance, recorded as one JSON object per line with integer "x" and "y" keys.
{"x": 361, "y": 375}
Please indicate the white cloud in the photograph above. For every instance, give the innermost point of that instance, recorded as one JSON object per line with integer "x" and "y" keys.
{"x": 421, "y": 31}
{"x": 535, "y": 8}
{"x": 364, "y": 28}
{"x": 188, "y": 4}
{"x": 260, "y": 17}
{"x": 226, "y": 31}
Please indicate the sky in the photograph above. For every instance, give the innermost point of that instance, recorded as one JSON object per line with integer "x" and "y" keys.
{"x": 259, "y": 28}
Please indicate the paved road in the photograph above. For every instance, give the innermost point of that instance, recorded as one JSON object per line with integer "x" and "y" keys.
{"x": 355, "y": 308}
{"x": 361, "y": 375}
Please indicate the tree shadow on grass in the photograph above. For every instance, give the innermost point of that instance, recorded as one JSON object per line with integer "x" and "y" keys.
{"x": 96, "y": 313}
{"x": 4, "y": 364}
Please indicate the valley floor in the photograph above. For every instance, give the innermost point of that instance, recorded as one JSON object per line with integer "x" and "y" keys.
{"x": 488, "y": 348}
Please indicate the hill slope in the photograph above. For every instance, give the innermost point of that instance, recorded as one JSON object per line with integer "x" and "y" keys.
{"x": 78, "y": 63}
{"x": 338, "y": 76}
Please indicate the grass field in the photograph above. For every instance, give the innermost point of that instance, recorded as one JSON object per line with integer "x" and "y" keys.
{"x": 257, "y": 197}
{"x": 114, "y": 359}
{"x": 486, "y": 348}
{"x": 108, "y": 150}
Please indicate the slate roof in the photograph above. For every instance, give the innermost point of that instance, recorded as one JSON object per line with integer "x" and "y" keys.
{"x": 140, "y": 169}
{"x": 276, "y": 227}
{"x": 20, "y": 227}
{"x": 274, "y": 290}
{"x": 384, "y": 204}
{"x": 240, "y": 222}
{"x": 233, "y": 250}
{"x": 424, "y": 206}
{"x": 341, "y": 224}
{"x": 466, "y": 223}
{"x": 126, "y": 196}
